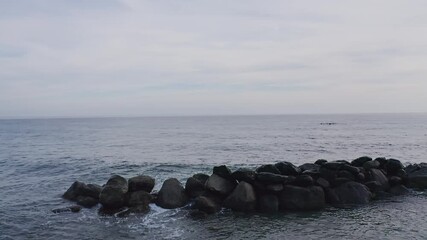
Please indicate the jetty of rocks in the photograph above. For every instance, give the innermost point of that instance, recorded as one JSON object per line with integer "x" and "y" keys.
{"x": 270, "y": 188}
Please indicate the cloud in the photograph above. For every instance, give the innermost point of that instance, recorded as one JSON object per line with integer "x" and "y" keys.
{"x": 80, "y": 57}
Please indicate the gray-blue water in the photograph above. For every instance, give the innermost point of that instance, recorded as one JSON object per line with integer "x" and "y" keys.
{"x": 39, "y": 159}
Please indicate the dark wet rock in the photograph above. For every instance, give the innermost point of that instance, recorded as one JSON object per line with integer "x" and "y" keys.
{"x": 358, "y": 162}
{"x": 345, "y": 174}
{"x": 268, "y": 203}
{"x": 244, "y": 174}
{"x": 141, "y": 183}
{"x": 303, "y": 181}
{"x": 287, "y": 168}
{"x": 334, "y": 165}
{"x": 194, "y": 187}
{"x": 222, "y": 171}
{"x": 278, "y": 187}
{"x": 345, "y": 162}
{"x": 412, "y": 168}
{"x": 374, "y": 186}
{"x": 266, "y": 177}
{"x": 323, "y": 183}
{"x": 119, "y": 212}
{"x": 382, "y": 161}
{"x": 378, "y": 175}
{"x": 401, "y": 173}
{"x": 340, "y": 180}
{"x": 139, "y": 199}
{"x": 268, "y": 168}
{"x": 220, "y": 185}
{"x": 201, "y": 177}
{"x": 113, "y": 195}
{"x": 172, "y": 194}
{"x": 309, "y": 167}
{"x": 392, "y": 166}
{"x": 242, "y": 199}
{"x": 399, "y": 190}
{"x": 302, "y": 199}
{"x": 154, "y": 196}
{"x": 371, "y": 164}
{"x": 320, "y": 162}
{"x": 81, "y": 189}
{"x": 394, "y": 180}
{"x": 418, "y": 178}
{"x": 87, "y": 202}
{"x": 360, "y": 177}
{"x": 73, "y": 209}
{"x": 351, "y": 193}
{"x": 328, "y": 174}
{"x": 313, "y": 173}
{"x": 352, "y": 169}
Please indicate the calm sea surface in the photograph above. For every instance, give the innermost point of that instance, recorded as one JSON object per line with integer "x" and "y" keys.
{"x": 39, "y": 159}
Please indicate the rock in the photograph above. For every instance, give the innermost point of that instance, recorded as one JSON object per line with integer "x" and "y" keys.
{"x": 378, "y": 175}
{"x": 141, "y": 183}
{"x": 266, "y": 177}
{"x": 338, "y": 181}
{"x": 242, "y": 199}
{"x": 206, "y": 205}
{"x": 201, "y": 177}
{"x": 382, "y": 161}
{"x": 320, "y": 162}
{"x": 394, "y": 180}
{"x": 399, "y": 190}
{"x": 328, "y": 174}
{"x": 309, "y": 167}
{"x": 345, "y": 174}
{"x": 418, "y": 178}
{"x": 222, "y": 171}
{"x": 81, "y": 189}
{"x": 139, "y": 199}
{"x": 113, "y": 195}
{"x": 287, "y": 168}
{"x": 194, "y": 187}
{"x": 312, "y": 173}
{"x": 268, "y": 203}
{"x": 244, "y": 174}
{"x": 352, "y": 193}
{"x": 358, "y": 162}
{"x": 171, "y": 194}
{"x": 268, "y": 168}
{"x": 360, "y": 177}
{"x": 392, "y": 166}
{"x": 87, "y": 202}
{"x": 333, "y": 165}
{"x": 374, "y": 186}
{"x": 401, "y": 173}
{"x": 73, "y": 209}
{"x": 278, "y": 187}
{"x": 345, "y": 162}
{"x": 323, "y": 183}
{"x": 303, "y": 181}
{"x": 352, "y": 169}
{"x": 220, "y": 185}
{"x": 412, "y": 168}
{"x": 299, "y": 198}
{"x": 371, "y": 164}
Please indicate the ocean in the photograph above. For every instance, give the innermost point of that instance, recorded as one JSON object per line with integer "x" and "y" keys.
{"x": 41, "y": 158}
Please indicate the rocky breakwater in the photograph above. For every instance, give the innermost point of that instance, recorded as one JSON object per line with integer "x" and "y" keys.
{"x": 270, "y": 188}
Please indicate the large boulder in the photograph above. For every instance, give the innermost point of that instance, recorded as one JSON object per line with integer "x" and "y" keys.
{"x": 242, "y": 199}
{"x": 206, "y": 204}
{"x": 194, "y": 187}
{"x": 309, "y": 167}
{"x": 113, "y": 195}
{"x": 87, "y": 202}
{"x": 287, "y": 168}
{"x": 244, "y": 174}
{"x": 171, "y": 194}
{"x": 378, "y": 176}
{"x": 268, "y": 203}
{"x": 220, "y": 185}
{"x": 139, "y": 201}
{"x": 301, "y": 199}
{"x": 418, "y": 178}
{"x": 399, "y": 190}
{"x": 222, "y": 171}
{"x": 371, "y": 164}
{"x": 141, "y": 183}
{"x": 81, "y": 189}
{"x": 358, "y": 162}
{"x": 303, "y": 181}
{"x": 271, "y": 178}
{"x": 350, "y": 193}
{"x": 392, "y": 166}
{"x": 268, "y": 168}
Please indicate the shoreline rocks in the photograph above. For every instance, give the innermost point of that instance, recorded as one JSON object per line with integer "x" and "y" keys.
{"x": 270, "y": 188}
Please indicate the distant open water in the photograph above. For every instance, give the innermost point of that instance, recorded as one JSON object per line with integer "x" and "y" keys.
{"x": 39, "y": 159}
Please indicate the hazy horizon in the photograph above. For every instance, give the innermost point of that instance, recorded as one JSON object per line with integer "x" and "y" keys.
{"x": 129, "y": 58}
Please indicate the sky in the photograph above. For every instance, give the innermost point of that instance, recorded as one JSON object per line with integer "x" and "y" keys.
{"x": 154, "y": 58}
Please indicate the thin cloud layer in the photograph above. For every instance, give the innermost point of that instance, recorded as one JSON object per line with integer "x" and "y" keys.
{"x": 130, "y": 58}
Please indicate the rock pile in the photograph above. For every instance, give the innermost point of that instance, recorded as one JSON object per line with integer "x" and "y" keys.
{"x": 269, "y": 188}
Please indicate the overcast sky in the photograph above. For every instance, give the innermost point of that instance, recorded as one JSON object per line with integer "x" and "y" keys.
{"x": 137, "y": 58}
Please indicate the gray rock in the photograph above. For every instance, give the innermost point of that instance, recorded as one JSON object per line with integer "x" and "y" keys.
{"x": 320, "y": 162}
{"x": 301, "y": 199}
{"x": 206, "y": 205}
{"x": 345, "y": 174}
{"x": 309, "y": 167}
{"x": 278, "y": 187}
{"x": 271, "y": 178}
{"x": 418, "y": 179}
{"x": 394, "y": 180}
{"x": 222, "y": 171}
{"x": 87, "y": 202}
{"x": 378, "y": 175}
{"x": 244, "y": 174}
{"x": 194, "y": 187}
{"x": 220, "y": 185}
{"x": 374, "y": 186}
{"x": 81, "y": 189}
{"x": 303, "y": 181}
{"x": 371, "y": 164}
{"x": 268, "y": 168}
{"x": 139, "y": 199}
{"x": 358, "y": 162}
{"x": 352, "y": 193}
{"x": 287, "y": 168}
{"x": 323, "y": 183}
{"x": 392, "y": 166}
{"x": 141, "y": 183}
{"x": 242, "y": 199}
{"x": 171, "y": 194}
{"x": 399, "y": 190}
{"x": 268, "y": 203}
{"x": 113, "y": 195}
